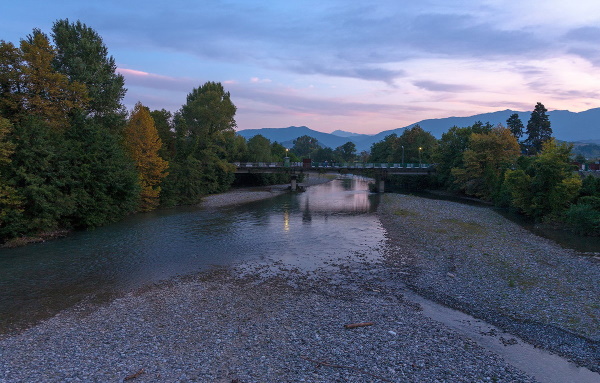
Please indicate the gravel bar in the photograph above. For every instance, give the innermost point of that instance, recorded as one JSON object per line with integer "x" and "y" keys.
{"x": 244, "y": 325}
{"x": 472, "y": 259}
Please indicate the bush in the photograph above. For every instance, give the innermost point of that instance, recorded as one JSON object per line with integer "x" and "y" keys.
{"x": 593, "y": 201}
{"x": 583, "y": 218}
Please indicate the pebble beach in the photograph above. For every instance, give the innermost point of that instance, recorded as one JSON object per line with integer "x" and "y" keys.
{"x": 252, "y": 323}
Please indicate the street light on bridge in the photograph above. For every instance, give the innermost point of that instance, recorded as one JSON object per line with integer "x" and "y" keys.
{"x": 420, "y": 162}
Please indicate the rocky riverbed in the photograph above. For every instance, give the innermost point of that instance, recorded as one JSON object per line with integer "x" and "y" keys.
{"x": 243, "y": 326}
{"x": 272, "y": 323}
{"x": 473, "y": 259}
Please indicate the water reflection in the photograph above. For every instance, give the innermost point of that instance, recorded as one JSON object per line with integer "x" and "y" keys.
{"x": 304, "y": 230}
{"x": 343, "y": 198}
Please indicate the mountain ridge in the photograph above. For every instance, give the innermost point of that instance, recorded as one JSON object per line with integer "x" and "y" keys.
{"x": 566, "y": 126}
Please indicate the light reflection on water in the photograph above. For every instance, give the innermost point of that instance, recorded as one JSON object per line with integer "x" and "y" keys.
{"x": 304, "y": 230}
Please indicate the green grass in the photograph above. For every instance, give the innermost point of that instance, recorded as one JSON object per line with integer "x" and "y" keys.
{"x": 468, "y": 227}
{"x": 405, "y": 213}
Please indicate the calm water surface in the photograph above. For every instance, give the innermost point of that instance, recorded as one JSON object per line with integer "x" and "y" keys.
{"x": 304, "y": 230}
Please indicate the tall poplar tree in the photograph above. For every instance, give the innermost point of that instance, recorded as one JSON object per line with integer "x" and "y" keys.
{"x": 143, "y": 144}
{"x": 538, "y": 128}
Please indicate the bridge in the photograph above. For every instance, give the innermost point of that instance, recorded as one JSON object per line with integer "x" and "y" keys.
{"x": 381, "y": 170}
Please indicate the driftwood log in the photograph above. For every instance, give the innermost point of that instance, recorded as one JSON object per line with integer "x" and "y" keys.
{"x": 355, "y": 325}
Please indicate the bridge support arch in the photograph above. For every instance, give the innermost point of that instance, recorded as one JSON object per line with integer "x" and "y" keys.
{"x": 381, "y": 185}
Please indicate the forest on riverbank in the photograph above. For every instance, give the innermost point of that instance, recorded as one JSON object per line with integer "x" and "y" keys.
{"x": 73, "y": 157}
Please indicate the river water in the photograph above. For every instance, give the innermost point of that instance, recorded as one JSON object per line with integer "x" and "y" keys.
{"x": 305, "y": 230}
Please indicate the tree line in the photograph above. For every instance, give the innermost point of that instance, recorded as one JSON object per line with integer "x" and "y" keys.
{"x": 73, "y": 157}
{"x": 519, "y": 167}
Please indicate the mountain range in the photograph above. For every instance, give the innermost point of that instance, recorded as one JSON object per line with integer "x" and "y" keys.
{"x": 566, "y": 126}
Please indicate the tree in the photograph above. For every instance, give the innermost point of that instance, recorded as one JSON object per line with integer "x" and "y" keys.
{"x": 11, "y": 81}
{"x": 68, "y": 169}
{"x": 347, "y": 151}
{"x": 304, "y": 146}
{"x": 419, "y": 145}
{"x": 538, "y": 128}
{"x": 323, "y": 154}
{"x": 47, "y": 93}
{"x": 450, "y": 148}
{"x": 259, "y": 149}
{"x": 548, "y": 185}
{"x": 207, "y": 113}
{"x": 163, "y": 120}
{"x": 204, "y": 127}
{"x": 279, "y": 152}
{"x": 235, "y": 147}
{"x": 102, "y": 180}
{"x": 82, "y": 56}
{"x": 486, "y": 160}
{"x": 36, "y": 171}
{"x": 9, "y": 199}
{"x": 414, "y": 146}
{"x": 143, "y": 144}
{"x": 384, "y": 150}
{"x": 515, "y": 125}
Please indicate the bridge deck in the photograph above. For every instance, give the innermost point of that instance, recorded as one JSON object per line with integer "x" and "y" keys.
{"x": 279, "y": 167}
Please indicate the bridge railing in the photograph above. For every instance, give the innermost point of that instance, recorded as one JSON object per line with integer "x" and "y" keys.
{"x": 333, "y": 165}
{"x": 368, "y": 165}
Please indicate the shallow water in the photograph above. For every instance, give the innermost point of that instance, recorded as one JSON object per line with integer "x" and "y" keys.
{"x": 305, "y": 230}
{"x": 538, "y": 363}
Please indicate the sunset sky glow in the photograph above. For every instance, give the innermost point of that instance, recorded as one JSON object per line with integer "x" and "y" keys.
{"x": 352, "y": 65}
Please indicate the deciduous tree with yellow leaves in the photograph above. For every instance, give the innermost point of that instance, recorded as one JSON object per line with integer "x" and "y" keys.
{"x": 486, "y": 160}
{"x": 143, "y": 144}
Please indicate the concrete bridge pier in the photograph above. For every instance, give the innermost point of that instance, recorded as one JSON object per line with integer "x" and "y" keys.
{"x": 293, "y": 182}
{"x": 381, "y": 186}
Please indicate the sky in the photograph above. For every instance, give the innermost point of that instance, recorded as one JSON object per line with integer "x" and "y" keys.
{"x": 359, "y": 66}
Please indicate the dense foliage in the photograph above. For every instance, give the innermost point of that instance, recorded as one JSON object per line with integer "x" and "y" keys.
{"x": 67, "y": 169}
{"x": 71, "y": 157}
{"x": 534, "y": 176}
{"x": 414, "y": 146}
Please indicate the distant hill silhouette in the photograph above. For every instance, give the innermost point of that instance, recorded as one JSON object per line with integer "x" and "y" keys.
{"x": 566, "y": 126}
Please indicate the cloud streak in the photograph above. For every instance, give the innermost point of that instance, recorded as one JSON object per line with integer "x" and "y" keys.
{"x": 363, "y": 66}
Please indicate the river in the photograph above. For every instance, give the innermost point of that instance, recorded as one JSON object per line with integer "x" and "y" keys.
{"x": 304, "y": 230}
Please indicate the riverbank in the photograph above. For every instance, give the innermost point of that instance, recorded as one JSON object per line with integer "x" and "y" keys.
{"x": 248, "y": 325}
{"x": 472, "y": 259}
{"x": 257, "y": 193}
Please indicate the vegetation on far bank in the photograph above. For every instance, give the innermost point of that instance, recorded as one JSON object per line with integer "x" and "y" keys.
{"x": 72, "y": 156}
{"x": 517, "y": 167}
